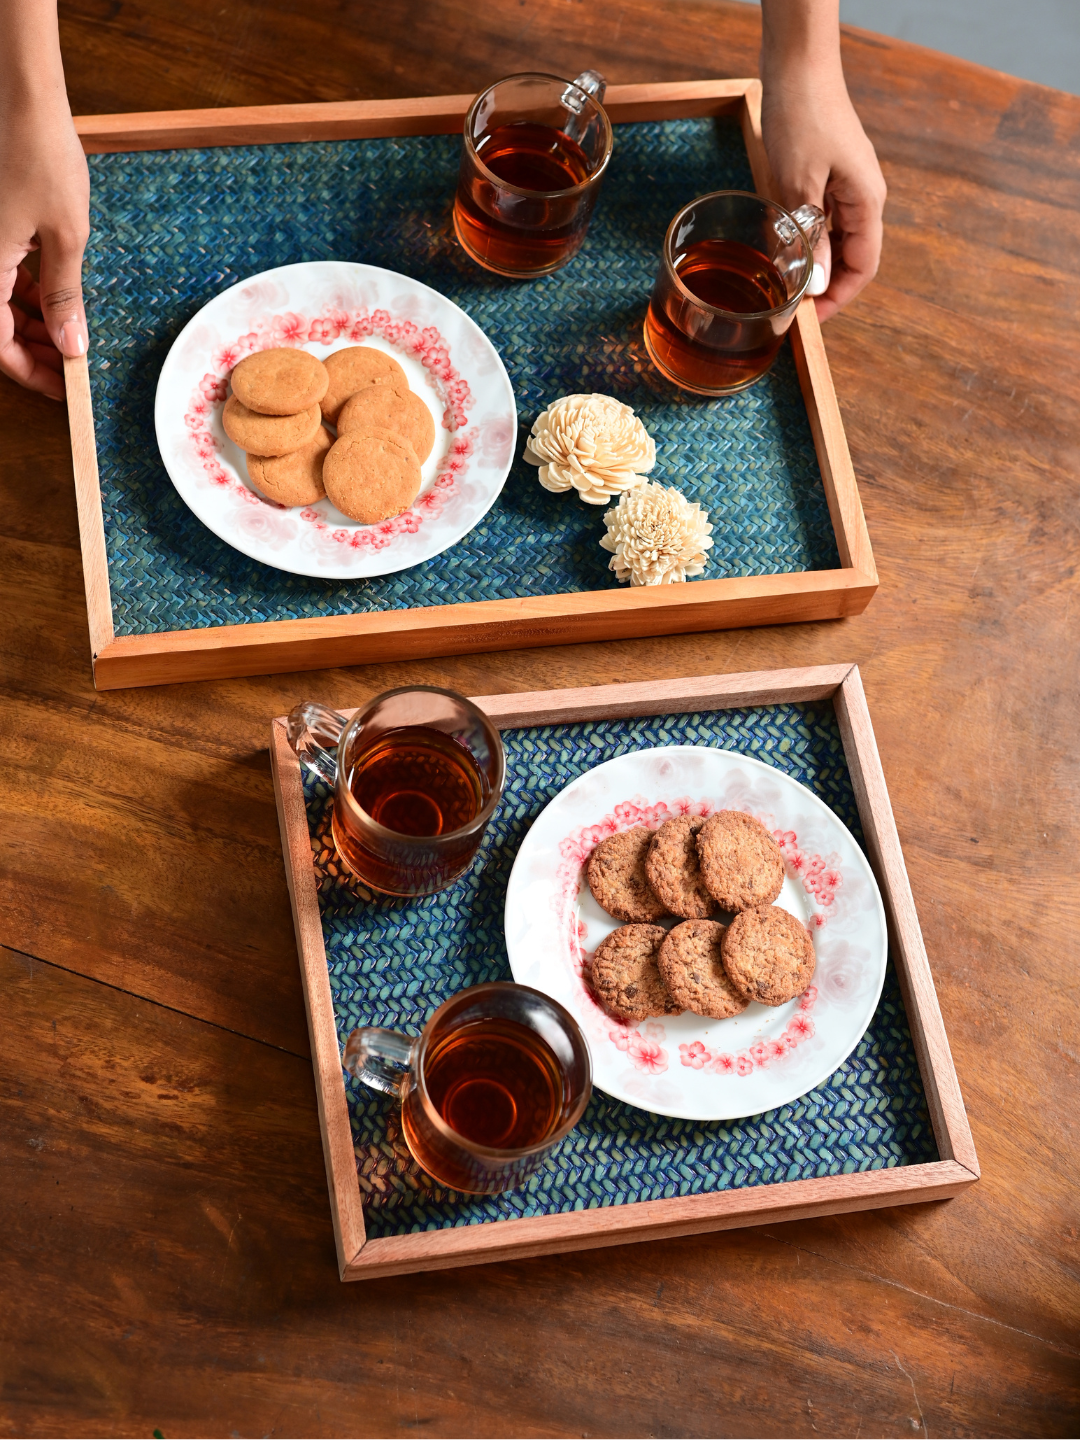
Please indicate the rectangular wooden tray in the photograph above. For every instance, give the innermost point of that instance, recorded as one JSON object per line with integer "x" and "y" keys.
{"x": 273, "y": 646}
{"x": 360, "y": 1258}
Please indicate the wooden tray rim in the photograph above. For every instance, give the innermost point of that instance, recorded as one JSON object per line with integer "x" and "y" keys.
{"x": 360, "y": 1258}
{"x": 276, "y": 646}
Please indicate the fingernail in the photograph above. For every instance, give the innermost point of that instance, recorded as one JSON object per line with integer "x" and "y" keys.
{"x": 818, "y": 281}
{"x": 72, "y": 342}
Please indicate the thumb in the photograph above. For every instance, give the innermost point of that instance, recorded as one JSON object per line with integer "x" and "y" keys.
{"x": 811, "y": 191}
{"x": 61, "y": 290}
{"x": 822, "y": 276}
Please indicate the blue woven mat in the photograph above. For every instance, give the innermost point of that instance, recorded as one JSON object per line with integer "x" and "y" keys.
{"x": 393, "y": 963}
{"x": 173, "y": 228}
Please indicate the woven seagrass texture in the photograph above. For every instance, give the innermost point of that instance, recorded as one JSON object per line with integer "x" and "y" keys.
{"x": 173, "y": 228}
{"x": 393, "y": 963}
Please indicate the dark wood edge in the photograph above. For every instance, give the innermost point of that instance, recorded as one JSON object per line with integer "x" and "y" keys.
{"x": 84, "y": 465}
{"x": 362, "y": 119}
{"x": 280, "y": 646}
{"x": 944, "y": 1100}
{"x": 688, "y": 1214}
{"x": 346, "y": 1206}
{"x": 658, "y": 1219}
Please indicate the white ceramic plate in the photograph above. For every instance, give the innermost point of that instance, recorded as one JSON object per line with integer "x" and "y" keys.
{"x": 687, "y": 1066}
{"x": 322, "y": 306}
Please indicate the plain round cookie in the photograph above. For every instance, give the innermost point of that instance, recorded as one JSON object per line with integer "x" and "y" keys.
{"x": 674, "y": 870}
{"x": 280, "y": 382}
{"x": 370, "y": 479}
{"x": 741, "y": 863}
{"x": 353, "y": 368}
{"x": 625, "y": 975}
{"x": 269, "y": 434}
{"x": 692, "y": 968}
{"x": 294, "y": 479}
{"x": 388, "y": 408}
{"x": 617, "y": 879}
{"x": 768, "y": 955}
{"x": 378, "y": 433}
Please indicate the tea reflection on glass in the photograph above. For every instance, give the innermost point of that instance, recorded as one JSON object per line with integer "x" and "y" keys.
{"x": 535, "y": 150}
{"x": 733, "y": 271}
{"x": 416, "y": 773}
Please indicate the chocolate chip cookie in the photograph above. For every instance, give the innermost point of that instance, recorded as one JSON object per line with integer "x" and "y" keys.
{"x": 692, "y": 968}
{"x": 617, "y": 879}
{"x": 625, "y": 976}
{"x": 741, "y": 863}
{"x": 674, "y": 870}
{"x": 768, "y": 955}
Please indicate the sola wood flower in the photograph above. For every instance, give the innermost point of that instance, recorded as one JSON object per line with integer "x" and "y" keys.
{"x": 657, "y": 536}
{"x": 592, "y": 442}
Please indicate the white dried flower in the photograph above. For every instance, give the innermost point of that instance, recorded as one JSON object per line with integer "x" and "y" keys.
{"x": 658, "y": 537}
{"x": 592, "y": 442}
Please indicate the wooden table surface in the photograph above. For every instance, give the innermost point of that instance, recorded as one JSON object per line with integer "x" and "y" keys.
{"x": 167, "y": 1257}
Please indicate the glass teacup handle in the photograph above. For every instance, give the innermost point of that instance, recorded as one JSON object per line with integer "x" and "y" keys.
{"x": 314, "y": 731}
{"x": 810, "y": 220}
{"x": 594, "y": 85}
{"x": 592, "y": 82}
{"x": 380, "y": 1059}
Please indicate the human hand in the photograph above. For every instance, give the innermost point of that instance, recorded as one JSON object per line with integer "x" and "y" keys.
{"x": 817, "y": 147}
{"x": 44, "y": 203}
{"x": 820, "y": 153}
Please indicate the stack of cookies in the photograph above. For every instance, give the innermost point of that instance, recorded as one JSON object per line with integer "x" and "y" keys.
{"x": 280, "y": 399}
{"x": 696, "y": 869}
{"x": 273, "y": 413}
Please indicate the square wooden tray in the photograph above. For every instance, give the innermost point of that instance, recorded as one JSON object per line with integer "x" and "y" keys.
{"x": 305, "y": 644}
{"x": 360, "y": 1258}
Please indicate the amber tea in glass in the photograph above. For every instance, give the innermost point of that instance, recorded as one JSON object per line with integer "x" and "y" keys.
{"x": 535, "y": 149}
{"x": 499, "y": 1075}
{"x": 418, "y": 781}
{"x": 417, "y": 774}
{"x": 495, "y": 1082}
{"x": 732, "y": 273}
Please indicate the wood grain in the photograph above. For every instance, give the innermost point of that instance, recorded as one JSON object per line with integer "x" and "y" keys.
{"x": 345, "y": 1204}
{"x": 88, "y": 501}
{"x": 656, "y": 1220}
{"x": 359, "y": 119}
{"x": 279, "y": 646}
{"x": 946, "y": 1105}
{"x": 662, "y": 697}
{"x": 141, "y": 855}
{"x": 170, "y": 1266}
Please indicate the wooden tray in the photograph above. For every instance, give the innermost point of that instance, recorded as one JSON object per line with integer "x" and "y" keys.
{"x": 360, "y": 1258}
{"x": 303, "y": 644}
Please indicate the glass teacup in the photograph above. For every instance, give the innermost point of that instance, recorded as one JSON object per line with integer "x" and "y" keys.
{"x": 499, "y": 1075}
{"x": 733, "y": 271}
{"x": 535, "y": 150}
{"x": 416, "y": 773}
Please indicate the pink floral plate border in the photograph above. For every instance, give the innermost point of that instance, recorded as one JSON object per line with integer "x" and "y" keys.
{"x": 687, "y": 1066}
{"x": 322, "y": 306}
